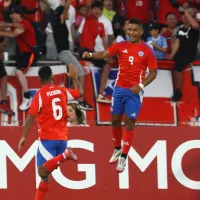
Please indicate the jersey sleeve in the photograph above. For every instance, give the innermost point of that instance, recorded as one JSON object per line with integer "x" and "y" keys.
{"x": 102, "y": 30}
{"x": 151, "y": 60}
{"x": 35, "y": 106}
{"x": 72, "y": 94}
{"x": 114, "y": 49}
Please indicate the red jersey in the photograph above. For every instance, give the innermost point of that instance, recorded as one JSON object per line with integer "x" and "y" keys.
{"x": 76, "y": 3}
{"x": 168, "y": 35}
{"x": 165, "y": 7}
{"x": 92, "y": 28}
{"x": 2, "y": 5}
{"x": 133, "y": 62}
{"x": 49, "y": 106}
{"x": 28, "y": 37}
{"x": 31, "y": 4}
{"x": 137, "y": 9}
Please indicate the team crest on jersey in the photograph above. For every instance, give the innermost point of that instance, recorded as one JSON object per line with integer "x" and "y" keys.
{"x": 140, "y": 53}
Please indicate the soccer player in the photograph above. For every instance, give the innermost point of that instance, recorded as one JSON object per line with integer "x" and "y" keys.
{"x": 49, "y": 107}
{"x": 134, "y": 58}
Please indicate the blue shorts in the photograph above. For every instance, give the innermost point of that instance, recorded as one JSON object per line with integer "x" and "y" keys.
{"x": 49, "y": 149}
{"x": 124, "y": 100}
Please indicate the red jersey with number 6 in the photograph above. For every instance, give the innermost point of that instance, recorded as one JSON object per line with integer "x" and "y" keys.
{"x": 133, "y": 62}
{"x": 49, "y": 106}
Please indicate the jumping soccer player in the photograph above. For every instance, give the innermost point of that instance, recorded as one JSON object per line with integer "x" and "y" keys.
{"x": 134, "y": 58}
{"x": 49, "y": 107}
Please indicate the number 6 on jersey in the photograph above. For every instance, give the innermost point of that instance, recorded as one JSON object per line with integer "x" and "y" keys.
{"x": 57, "y": 110}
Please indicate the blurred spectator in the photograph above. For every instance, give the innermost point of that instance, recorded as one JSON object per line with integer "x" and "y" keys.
{"x": 184, "y": 49}
{"x": 99, "y": 46}
{"x": 89, "y": 31}
{"x": 122, "y": 35}
{"x": 81, "y": 14}
{"x": 108, "y": 11}
{"x": 118, "y": 24}
{"x": 51, "y": 51}
{"x": 183, "y": 4}
{"x": 60, "y": 37}
{"x": 142, "y": 10}
{"x": 119, "y": 6}
{"x": 4, "y": 104}
{"x": 167, "y": 32}
{"x": 75, "y": 115}
{"x": 158, "y": 42}
{"x": 165, "y": 7}
{"x": 71, "y": 26}
{"x": 24, "y": 33}
{"x": 78, "y": 3}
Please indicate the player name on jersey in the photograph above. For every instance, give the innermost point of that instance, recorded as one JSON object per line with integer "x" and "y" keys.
{"x": 54, "y": 92}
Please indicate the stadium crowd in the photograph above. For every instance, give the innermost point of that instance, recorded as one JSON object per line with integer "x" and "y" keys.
{"x": 32, "y": 30}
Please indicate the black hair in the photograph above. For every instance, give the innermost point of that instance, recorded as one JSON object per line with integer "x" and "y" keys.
{"x": 14, "y": 8}
{"x": 135, "y": 21}
{"x": 97, "y": 4}
{"x": 45, "y": 73}
{"x": 169, "y": 13}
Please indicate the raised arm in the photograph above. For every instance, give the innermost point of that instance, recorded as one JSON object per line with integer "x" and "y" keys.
{"x": 74, "y": 76}
{"x": 193, "y": 22}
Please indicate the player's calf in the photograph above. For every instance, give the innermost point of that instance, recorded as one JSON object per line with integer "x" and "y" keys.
{"x": 43, "y": 188}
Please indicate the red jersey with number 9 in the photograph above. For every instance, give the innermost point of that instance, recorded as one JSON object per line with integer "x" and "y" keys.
{"x": 133, "y": 62}
{"x": 49, "y": 106}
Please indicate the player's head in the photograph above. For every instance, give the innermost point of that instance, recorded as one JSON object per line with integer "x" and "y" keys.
{"x": 135, "y": 30}
{"x": 75, "y": 115}
{"x": 45, "y": 75}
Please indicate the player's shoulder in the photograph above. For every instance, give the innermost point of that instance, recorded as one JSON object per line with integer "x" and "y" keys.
{"x": 148, "y": 49}
{"x": 122, "y": 44}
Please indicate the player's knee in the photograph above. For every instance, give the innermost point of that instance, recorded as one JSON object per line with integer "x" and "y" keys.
{"x": 129, "y": 124}
{"x": 42, "y": 172}
{"x": 116, "y": 121}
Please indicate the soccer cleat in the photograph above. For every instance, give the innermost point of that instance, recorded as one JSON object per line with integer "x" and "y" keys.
{"x": 25, "y": 105}
{"x": 5, "y": 108}
{"x": 69, "y": 155}
{"x": 85, "y": 106}
{"x": 121, "y": 165}
{"x": 103, "y": 99}
{"x": 115, "y": 156}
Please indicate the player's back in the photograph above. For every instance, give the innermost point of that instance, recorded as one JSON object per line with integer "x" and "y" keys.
{"x": 51, "y": 101}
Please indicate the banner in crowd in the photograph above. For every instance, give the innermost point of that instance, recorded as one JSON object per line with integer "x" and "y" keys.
{"x": 163, "y": 164}
{"x": 157, "y": 108}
